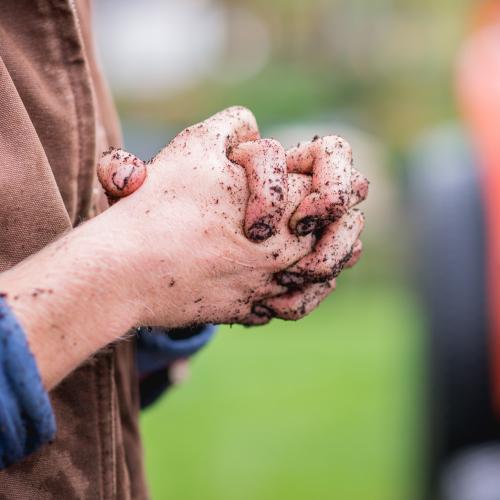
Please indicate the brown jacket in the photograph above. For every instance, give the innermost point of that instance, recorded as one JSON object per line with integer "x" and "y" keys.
{"x": 55, "y": 116}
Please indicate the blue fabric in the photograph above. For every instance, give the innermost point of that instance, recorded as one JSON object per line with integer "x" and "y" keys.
{"x": 26, "y": 417}
{"x": 153, "y": 386}
{"x": 156, "y": 349}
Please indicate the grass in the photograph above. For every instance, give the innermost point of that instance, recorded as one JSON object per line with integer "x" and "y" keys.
{"x": 327, "y": 408}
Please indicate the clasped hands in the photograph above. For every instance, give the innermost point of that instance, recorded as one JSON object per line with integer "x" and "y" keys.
{"x": 230, "y": 228}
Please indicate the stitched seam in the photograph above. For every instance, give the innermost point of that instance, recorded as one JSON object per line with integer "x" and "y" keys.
{"x": 112, "y": 412}
{"x": 76, "y": 86}
{"x": 103, "y": 423}
{"x": 97, "y": 397}
{"x": 86, "y": 129}
{"x": 82, "y": 99}
{"x": 63, "y": 66}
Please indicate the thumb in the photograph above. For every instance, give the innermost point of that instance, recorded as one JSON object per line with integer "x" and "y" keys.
{"x": 120, "y": 173}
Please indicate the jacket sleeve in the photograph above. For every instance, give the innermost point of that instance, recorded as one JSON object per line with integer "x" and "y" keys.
{"x": 26, "y": 417}
{"x": 158, "y": 348}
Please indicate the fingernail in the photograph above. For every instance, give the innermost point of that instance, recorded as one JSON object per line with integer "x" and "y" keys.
{"x": 263, "y": 311}
{"x": 306, "y": 225}
{"x": 289, "y": 279}
{"x": 260, "y": 231}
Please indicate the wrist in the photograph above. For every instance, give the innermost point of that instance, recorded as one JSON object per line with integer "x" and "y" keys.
{"x": 106, "y": 273}
{"x": 71, "y": 299}
{"x": 163, "y": 259}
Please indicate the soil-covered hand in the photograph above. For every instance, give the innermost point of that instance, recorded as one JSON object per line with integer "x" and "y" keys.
{"x": 192, "y": 262}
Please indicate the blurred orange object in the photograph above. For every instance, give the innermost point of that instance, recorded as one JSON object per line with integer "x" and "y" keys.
{"x": 486, "y": 13}
{"x": 478, "y": 89}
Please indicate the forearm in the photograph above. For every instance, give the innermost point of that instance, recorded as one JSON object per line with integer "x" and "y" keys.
{"x": 73, "y": 298}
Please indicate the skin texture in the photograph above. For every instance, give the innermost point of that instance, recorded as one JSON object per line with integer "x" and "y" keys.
{"x": 264, "y": 163}
{"x": 171, "y": 253}
{"x": 298, "y": 303}
{"x": 329, "y": 160}
{"x": 331, "y": 253}
{"x": 357, "y": 250}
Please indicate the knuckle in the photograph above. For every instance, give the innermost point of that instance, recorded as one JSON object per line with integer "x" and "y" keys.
{"x": 341, "y": 143}
{"x": 336, "y": 203}
{"x": 278, "y": 263}
{"x": 331, "y": 143}
{"x": 331, "y": 207}
{"x": 241, "y": 112}
{"x": 182, "y": 136}
{"x": 272, "y": 146}
{"x": 198, "y": 130}
{"x": 354, "y": 219}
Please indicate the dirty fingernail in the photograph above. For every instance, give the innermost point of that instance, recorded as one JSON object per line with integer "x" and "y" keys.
{"x": 263, "y": 311}
{"x": 289, "y": 279}
{"x": 306, "y": 225}
{"x": 260, "y": 231}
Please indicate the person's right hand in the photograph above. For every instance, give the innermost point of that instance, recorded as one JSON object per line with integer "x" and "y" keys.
{"x": 336, "y": 188}
{"x": 192, "y": 261}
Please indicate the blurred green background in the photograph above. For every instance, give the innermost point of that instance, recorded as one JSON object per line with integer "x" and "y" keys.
{"x": 330, "y": 407}
{"x": 325, "y": 408}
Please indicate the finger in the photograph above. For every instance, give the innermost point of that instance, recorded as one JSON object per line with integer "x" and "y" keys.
{"x": 265, "y": 165}
{"x": 233, "y": 125}
{"x": 120, "y": 173}
{"x": 298, "y": 303}
{"x": 329, "y": 160}
{"x": 359, "y": 188}
{"x": 359, "y": 192}
{"x": 357, "y": 250}
{"x": 178, "y": 371}
{"x": 330, "y": 253}
{"x": 253, "y": 320}
{"x": 259, "y": 316}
